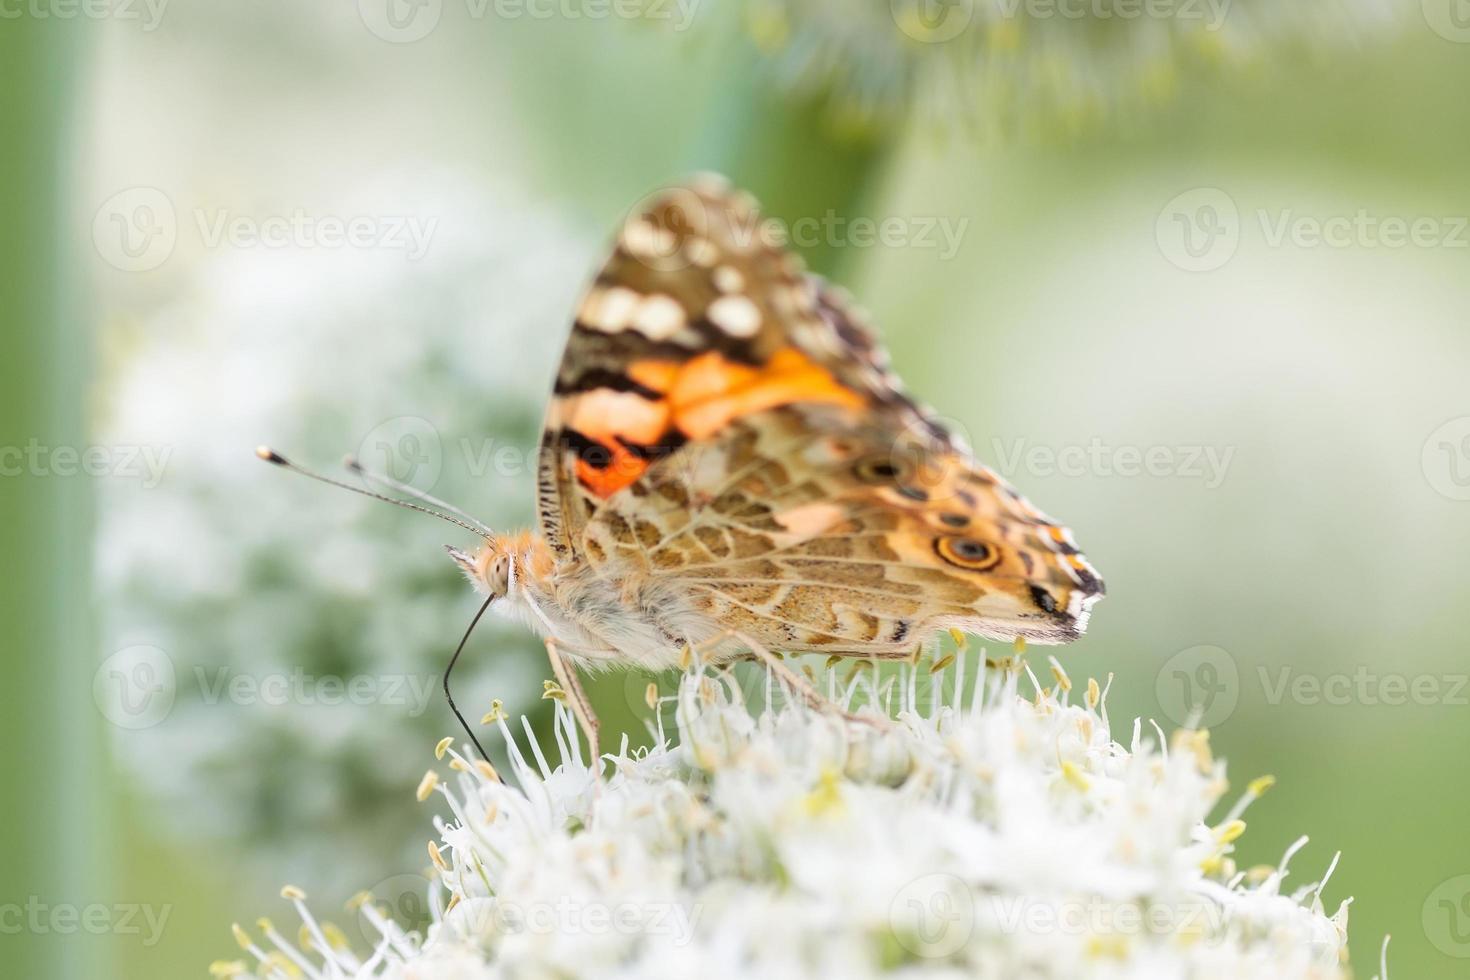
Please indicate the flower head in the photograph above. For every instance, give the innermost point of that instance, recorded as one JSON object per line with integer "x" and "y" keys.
{"x": 996, "y": 831}
{"x": 264, "y": 595}
{"x": 1026, "y": 65}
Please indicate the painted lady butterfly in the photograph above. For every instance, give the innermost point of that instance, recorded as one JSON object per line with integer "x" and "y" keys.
{"x": 730, "y": 466}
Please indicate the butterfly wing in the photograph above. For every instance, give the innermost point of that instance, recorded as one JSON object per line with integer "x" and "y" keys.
{"x": 727, "y": 426}
{"x": 688, "y": 323}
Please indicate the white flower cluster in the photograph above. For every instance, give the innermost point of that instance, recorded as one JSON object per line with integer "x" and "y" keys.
{"x": 261, "y": 600}
{"x": 1025, "y": 65}
{"x": 993, "y": 834}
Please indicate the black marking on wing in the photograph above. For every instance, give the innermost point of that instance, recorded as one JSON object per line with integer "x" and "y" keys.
{"x": 594, "y": 378}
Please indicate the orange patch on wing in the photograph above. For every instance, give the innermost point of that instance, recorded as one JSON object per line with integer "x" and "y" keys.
{"x": 711, "y": 391}
{"x": 623, "y": 470}
{"x": 700, "y": 398}
{"x": 657, "y": 375}
{"x": 608, "y": 418}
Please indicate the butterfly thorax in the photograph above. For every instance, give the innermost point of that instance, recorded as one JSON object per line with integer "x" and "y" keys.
{"x": 596, "y": 619}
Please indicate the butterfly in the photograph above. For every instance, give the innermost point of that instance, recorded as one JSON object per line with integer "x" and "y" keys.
{"x": 729, "y": 465}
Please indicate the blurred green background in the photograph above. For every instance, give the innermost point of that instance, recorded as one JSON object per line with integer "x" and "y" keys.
{"x": 1204, "y": 299}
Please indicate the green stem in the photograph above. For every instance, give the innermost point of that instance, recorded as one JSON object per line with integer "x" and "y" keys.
{"x": 53, "y": 764}
{"x": 790, "y": 153}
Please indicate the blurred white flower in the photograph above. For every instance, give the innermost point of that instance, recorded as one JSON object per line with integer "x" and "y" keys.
{"x": 1029, "y": 66}
{"x": 982, "y": 835}
{"x": 305, "y": 628}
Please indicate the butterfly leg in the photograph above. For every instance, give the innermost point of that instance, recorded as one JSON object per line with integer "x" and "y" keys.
{"x": 800, "y": 684}
{"x": 567, "y": 679}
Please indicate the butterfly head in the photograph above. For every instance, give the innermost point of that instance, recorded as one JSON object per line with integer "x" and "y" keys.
{"x": 505, "y": 563}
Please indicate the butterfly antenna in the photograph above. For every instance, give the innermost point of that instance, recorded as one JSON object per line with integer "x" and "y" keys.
{"x": 447, "y": 670}
{"x": 271, "y": 456}
{"x": 404, "y": 488}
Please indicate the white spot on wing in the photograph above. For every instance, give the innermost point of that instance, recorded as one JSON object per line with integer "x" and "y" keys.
{"x": 728, "y": 279}
{"x": 736, "y": 315}
{"x": 645, "y": 240}
{"x": 659, "y": 317}
{"x": 608, "y": 310}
